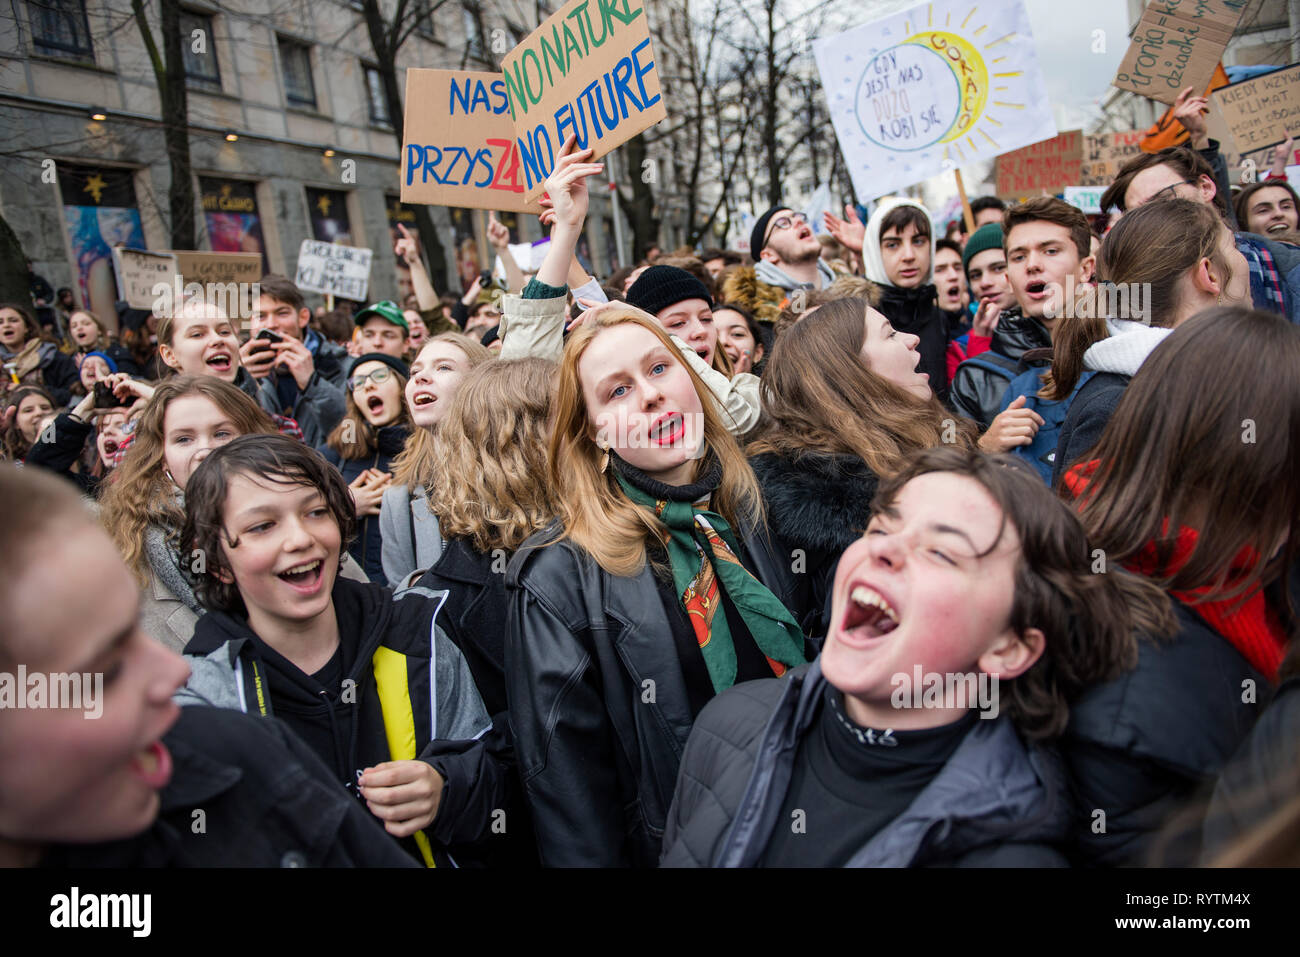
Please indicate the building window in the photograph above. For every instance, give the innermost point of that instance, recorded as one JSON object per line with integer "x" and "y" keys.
{"x": 295, "y": 63}
{"x": 60, "y": 28}
{"x": 201, "y": 68}
{"x": 379, "y": 115}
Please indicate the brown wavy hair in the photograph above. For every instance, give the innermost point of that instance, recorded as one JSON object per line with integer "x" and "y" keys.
{"x": 13, "y": 445}
{"x": 1090, "y": 621}
{"x": 490, "y": 456}
{"x": 1178, "y": 453}
{"x": 595, "y": 513}
{"x": 819, "y": 395}
{"x": 1155, "y": 245}
{"x": 414, "y": 465}
{"x": 140, "y": 493}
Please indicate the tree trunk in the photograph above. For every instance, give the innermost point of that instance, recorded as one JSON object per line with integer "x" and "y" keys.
{"x": 15, "y": 286}
{"x": 640, "y": 208}
{"x": 382, "y": 35}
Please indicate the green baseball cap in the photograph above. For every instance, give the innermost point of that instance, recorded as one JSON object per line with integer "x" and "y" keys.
{"x": 385, "y": 309}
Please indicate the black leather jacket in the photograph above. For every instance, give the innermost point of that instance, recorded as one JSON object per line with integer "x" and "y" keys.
{"x": 598, "y": 703}
{"x": 976, "y": 392}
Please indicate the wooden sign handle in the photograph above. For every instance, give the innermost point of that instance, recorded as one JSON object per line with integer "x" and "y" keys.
{"x": 965, "y": 203}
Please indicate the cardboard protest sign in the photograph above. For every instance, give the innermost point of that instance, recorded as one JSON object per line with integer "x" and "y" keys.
{"x": 1086, "y": 199}
{"x": 588, "y": 71}
{"x": 1261, "y": 110}
{"x": 202, "y": 266}
{"x": 459, "y": 147}
{"x": 1104, "y": 154}
{"x": 1177, "y": 44}
{"x": 1048, "y": 166}
{"x": 331, "y": 269}
{"x": 929, "y": 89}
{"x": 138, "y": 271}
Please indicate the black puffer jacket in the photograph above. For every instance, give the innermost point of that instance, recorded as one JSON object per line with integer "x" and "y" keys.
{"x": 598, "y": 701}
{"x": 1262, "y": 778}
{"x": 1140, "y": 746}
{"x": 916, "y": 312}
{"x": 818, "y": 503}
{"x": 998, "y": 802}
{"x": 267, "y": 801}
{"x": 1090, "y": 410}
{"x": 977, "y": 392}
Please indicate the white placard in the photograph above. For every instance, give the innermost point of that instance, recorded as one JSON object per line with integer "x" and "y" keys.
{"x": 1086, "y": 199}
{"x": 933, "y": 88}
{"x": 329, "y": 268}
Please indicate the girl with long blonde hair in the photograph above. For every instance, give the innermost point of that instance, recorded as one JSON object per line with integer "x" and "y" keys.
{"x": 143, "y": 507}
{"x": 410, "y": 539}
{"x": 657, "y": 588}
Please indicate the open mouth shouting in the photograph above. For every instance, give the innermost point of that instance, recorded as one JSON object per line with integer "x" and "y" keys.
{"x": 668, "y": 429}
{"x": 1037, "y": 290}
{"x": 868, "y": 617}
{"x": 1281, "y": 226}
{"x": 304, "y": 578}
{"x": 153, "y": 765}
{"x": 375, "y": 405}
{"x": 219, "y": 361}
{"x": 422, "y": 400}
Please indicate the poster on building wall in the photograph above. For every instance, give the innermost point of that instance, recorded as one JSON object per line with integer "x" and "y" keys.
{"x": 328, "y": 211}
{"x": 99, "y": 212}
{"x": 231, "y": 216}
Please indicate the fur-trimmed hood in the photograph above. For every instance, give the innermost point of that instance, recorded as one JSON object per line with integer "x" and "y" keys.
{"x": 743, "y": 288}
{"x": 820, "y": 501}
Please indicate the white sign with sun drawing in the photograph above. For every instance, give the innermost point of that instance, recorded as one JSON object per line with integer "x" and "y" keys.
{"x": 932, "y": 88}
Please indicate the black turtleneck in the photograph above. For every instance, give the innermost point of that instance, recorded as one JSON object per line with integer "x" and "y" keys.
{"x": 751, "y": 663}
{"x": 849, "y": 781}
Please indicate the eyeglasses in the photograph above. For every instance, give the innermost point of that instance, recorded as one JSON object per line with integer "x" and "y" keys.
{"x": 378, "y": 376}
{"x": 1169, "y": 192}
{"x": 785, "y": 222}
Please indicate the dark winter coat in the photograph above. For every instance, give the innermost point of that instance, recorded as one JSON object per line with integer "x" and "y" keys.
{"x": 351, "y": 729}
{"x": 367, "y": 547}
{"x": 998, "y": 802}
{"x": 1140, "y": 746}
{"x": 57, "y": 373}
{"x": 819, "y": 504}
{"x": 267, "y": 801}
{"x": 1262, "y": 778}
{"x": 598, "y": 702}
{"x": 917, "y": 313}
{"x": 976, "y": 392}
{"x": 1090, "y": 410}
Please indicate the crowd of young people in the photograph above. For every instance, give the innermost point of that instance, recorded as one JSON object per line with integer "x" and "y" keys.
{"x": 890, "y": 550}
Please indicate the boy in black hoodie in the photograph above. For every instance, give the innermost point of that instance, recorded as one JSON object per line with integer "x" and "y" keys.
{"x": 368, "y": 681}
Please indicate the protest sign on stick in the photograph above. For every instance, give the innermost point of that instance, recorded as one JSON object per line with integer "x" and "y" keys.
{"x": 1261, "y": 111}
{"x": 1048, "y": 166}
{"x": 1177, "y": 44}
{"x": 138, "y": 271}
{"x": 588, "y": 71}
{"x": 459, "y": 147}
{"x": 334, "y": 270}
{"x": 932, "y": 88}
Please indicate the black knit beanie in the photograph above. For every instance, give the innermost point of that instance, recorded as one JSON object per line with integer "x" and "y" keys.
{"x": 397, "y": 365}
{"x": 662, "y": 286}
{"x": 756, "y": 236}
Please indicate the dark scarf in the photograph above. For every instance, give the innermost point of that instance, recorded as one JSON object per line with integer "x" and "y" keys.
{"x": 703, "y": 553}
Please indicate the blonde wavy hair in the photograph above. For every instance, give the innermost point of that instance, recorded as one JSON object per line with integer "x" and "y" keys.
{"x": 596, "y": 514}
{"x": 490, "y": 456}
{"x": 140, "y": 491}
{"x": 414, "y": 466}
